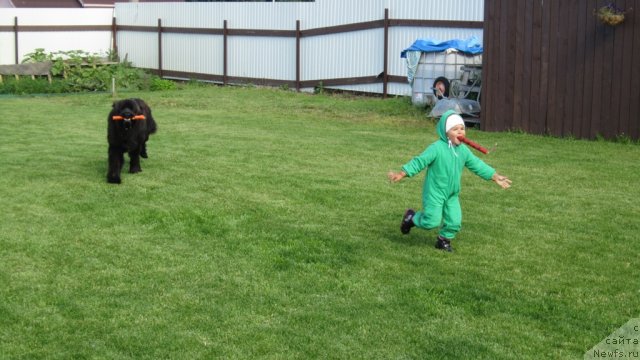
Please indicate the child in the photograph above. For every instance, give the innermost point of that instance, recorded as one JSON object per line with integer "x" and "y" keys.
{"x": 445, "y": 160}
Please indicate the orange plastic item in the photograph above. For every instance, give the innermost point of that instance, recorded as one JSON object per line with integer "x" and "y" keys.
{"x": 120, "y": 118}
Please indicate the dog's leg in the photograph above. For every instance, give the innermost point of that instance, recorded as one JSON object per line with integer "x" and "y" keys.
{"x": 120, "y": 160}
{"x": 116, "y": 159}
{"x": 134, "y": 161}
{"x": 143, "y": 150}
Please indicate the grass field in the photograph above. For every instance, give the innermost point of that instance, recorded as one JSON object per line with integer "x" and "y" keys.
{"x": 263, "y": 226}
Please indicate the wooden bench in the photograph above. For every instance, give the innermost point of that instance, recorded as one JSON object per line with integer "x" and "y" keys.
{"x": 32, "y": 69}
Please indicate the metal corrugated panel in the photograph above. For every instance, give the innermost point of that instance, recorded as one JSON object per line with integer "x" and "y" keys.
{"x": 8, "y": 44}
{"x": 467, "y": 10}
{"x": 256, "y": 58}
{"x": 270, "y": 16}
{"x": 193, "y": 53}
{"x": 92, "y": 42}
{"x": 140, "y": 14}
{"x": 352, "y": 54}
{"x": 345, "y": 55}
{"x": 267, "y": 16}
{"x": 324, "y": 13}
{"x": 7, "y": 39}
{"x": 140, "y": 48}
{"x": 56, "y": 16}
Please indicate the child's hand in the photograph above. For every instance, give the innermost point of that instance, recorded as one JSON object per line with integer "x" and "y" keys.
{"x": 501, "y": 180}
{"x": 396, "y": 176}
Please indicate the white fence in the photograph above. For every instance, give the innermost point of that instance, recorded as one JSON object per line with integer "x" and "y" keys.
{"x": 34, "y": 31}
{"x": 353, "y": 54}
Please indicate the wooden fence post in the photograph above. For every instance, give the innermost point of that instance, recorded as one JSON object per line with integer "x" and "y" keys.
{"x": 160, "y": 47}
{"x": 298, "y": 55}
{"x": 15, "y": 36}
{"x": 225, "y": 33}
{"x": 114, "y": 34}
{"x": 385, "y": 75}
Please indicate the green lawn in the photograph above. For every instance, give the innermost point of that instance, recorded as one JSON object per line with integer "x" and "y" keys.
{"x": 263, "y": 226}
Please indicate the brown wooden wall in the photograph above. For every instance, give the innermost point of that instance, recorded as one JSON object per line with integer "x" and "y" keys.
{"x": 550, "y": 67}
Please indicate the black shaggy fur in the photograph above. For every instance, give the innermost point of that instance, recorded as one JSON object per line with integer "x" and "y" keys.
{"x": 128, "y": 135}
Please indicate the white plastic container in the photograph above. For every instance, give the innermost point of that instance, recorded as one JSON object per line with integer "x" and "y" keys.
{"x": 433, "y": 65}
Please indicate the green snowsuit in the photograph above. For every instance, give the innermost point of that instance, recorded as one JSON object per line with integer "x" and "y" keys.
{"x": 441, "y": 187}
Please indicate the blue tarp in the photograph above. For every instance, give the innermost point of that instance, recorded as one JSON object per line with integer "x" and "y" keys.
{"x": 470, "y": 46}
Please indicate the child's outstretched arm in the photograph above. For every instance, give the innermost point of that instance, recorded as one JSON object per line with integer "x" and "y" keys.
{"x": 396, "y": 176}
{"x": 501, "y": 180}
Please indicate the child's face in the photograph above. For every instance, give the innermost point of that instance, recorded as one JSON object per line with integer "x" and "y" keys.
{"x": 454, "y": 133}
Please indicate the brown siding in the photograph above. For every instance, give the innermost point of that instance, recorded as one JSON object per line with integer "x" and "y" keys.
{"x": 550, "y": 67}
{"x": 46, "y": 4}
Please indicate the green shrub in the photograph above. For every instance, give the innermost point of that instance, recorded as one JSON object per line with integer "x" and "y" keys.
{"x": 79, "y": 71}
{"x": 26, "y": 85}
{"x": 161, "y": 84}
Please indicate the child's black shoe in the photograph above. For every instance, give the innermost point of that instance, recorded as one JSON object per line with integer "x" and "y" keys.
{"x": 444, "y": 244}
{"x": 407, "y": 222}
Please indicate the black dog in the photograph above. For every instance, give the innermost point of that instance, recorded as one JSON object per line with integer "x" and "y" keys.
{"x": 129, "y": 125}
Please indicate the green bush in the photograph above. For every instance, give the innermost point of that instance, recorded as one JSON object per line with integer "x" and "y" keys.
{"x": 161, "y": 84}
{"x": 79, "y": 71}
{"x": 26, "y": 85}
